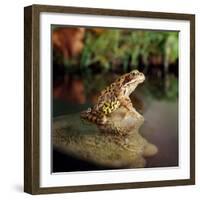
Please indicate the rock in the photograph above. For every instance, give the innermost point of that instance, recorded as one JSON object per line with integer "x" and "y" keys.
{"x": 85, "y": 141}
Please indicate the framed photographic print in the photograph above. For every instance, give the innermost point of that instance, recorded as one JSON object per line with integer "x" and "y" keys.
{"x": 109, "y": 99}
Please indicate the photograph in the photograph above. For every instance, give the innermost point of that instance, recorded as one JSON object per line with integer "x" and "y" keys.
{"x": 114, "y": 98}
{"x": 109, "y": 99}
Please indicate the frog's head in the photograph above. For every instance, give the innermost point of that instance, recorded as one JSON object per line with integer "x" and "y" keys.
{"x": 131, "y": 80}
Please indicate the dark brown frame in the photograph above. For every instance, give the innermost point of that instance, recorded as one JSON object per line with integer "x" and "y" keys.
{"x": 32, "y": 106}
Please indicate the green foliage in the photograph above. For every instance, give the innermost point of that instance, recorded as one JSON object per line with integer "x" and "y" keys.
{"x": 115, "y": 47}
{"x": 171, "y": 46}
{"x": 172, "y": 89}
{"x": 100, "y": 50}
{"x": 121, "y": 48}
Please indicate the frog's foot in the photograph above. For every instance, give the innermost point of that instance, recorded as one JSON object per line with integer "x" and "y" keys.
{"x": 85, "y": 115}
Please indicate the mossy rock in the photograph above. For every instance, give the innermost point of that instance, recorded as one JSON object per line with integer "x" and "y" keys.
{"x": 84, "y": 141}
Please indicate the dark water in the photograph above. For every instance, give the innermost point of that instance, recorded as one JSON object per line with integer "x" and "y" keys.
{"x": 160, "y": 128}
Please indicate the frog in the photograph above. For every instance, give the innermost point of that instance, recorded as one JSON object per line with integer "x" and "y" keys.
{"x": 111, "y": 98}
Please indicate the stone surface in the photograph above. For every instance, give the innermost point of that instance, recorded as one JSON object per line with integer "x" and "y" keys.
{"x": 83, "y": 140}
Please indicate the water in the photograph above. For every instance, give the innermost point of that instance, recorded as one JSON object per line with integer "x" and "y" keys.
{"x": 160, "y": 128}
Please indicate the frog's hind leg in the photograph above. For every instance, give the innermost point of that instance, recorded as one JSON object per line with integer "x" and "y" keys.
{"x": 93, "y": 116}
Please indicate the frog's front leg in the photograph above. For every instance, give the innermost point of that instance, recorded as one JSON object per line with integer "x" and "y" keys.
{"x": 126, "y": 102}
{"x": 102, "y": 119}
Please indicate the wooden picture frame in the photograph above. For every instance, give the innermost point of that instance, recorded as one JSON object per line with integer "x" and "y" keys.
{"x": 32, "y": 106}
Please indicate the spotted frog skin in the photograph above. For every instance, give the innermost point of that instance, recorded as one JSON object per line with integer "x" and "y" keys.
{"x": 112, "y": 97}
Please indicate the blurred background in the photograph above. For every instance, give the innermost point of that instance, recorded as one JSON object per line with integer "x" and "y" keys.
{"x": 86, "y": 60}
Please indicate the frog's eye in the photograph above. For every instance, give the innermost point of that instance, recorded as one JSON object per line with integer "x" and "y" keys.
{"x": 126, "y": 79}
